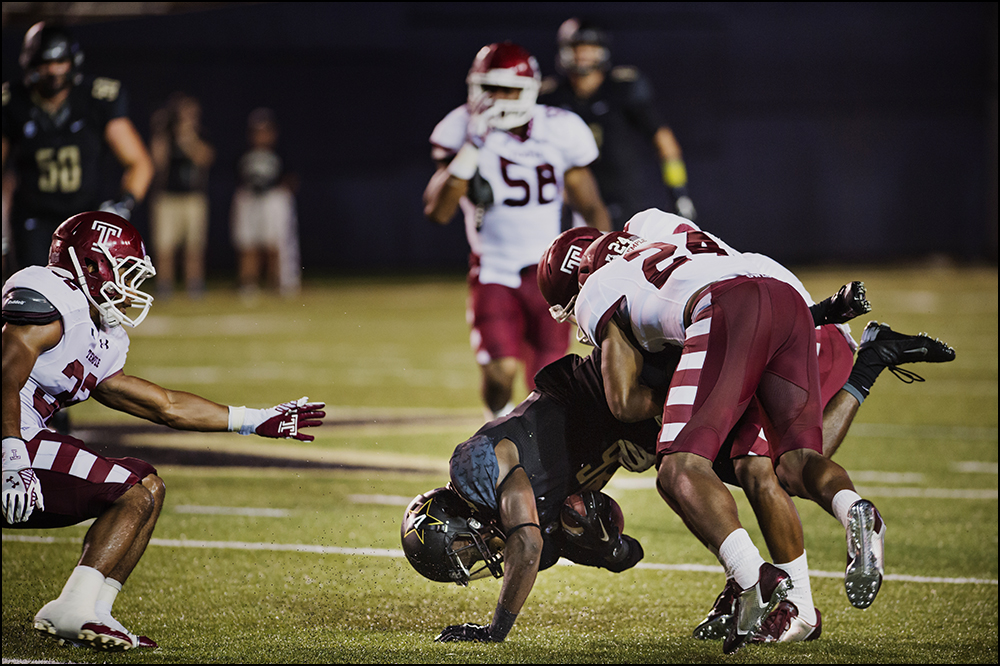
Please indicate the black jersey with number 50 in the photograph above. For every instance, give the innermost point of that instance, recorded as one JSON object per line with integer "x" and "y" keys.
{"x": 58, "y": 157}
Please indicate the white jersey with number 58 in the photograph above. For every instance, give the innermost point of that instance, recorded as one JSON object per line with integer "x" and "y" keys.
{"x": 526, "y": 177}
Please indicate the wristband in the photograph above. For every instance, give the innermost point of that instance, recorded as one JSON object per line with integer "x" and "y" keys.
{"x": 127, "y": 201}
{"x": 465, "y": 162}
{"x": 15, "y": 454}
{"x": 236, "y": 417}
{"x": 675, "y": 173}
{"x": 502, "y": 622}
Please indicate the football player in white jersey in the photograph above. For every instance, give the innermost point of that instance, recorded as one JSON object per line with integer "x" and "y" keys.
{"x": 63, "y": 342}
{"x": 508, "y": 163}
{"x": 749, "y": 343}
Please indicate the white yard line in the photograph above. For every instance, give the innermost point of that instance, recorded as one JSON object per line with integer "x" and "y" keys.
{"x": 390, "y": 552}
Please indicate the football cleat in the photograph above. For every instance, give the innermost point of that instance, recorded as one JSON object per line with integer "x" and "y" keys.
{"x": 865, "y": 553}
{"x": 754, "y": 604}
{"x": 90, "y": 634}
{"x": 142, "y": 641}
{"x": 716, "y": 623}
{"x": 895, "y": 348}
{"x": 784, "y": 625}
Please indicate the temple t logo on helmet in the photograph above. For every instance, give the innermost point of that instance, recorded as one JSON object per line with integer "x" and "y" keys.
{"x": 106, "y": 257}
{"x": 558, "y": 269}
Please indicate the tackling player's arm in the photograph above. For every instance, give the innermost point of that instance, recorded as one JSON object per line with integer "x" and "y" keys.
{"x": 443, "y": 193}
{"x": 125, "y": 142}
{"x": 583, "y": 196}
{"x": 621, "y": 365}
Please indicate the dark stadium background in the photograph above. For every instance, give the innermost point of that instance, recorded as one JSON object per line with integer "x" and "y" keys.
{"x": 813, "y": 132}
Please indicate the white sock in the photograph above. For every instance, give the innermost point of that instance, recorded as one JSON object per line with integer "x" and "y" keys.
{"x": 842, "y": 502}
{"x": 503, "y": 411}
{"x": 105, "y": 600}
{"x": 740, "y": 558}
{"x": 801, "y": 592}
{"x": 82, "y": 588}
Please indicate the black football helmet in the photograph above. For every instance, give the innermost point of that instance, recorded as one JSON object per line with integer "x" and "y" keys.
{"x": 576, "y": 31}
{"x": 49, "y": 43}
{"x": 433, "y": 523}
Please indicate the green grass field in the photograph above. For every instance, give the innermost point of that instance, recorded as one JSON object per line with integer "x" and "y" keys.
{"x": 298, "y": 565}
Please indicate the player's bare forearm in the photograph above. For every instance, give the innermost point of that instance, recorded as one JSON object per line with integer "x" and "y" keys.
{"x": 442, "y": 195}
{"x": 131, "y": 153}
{"x": 584, "y": 197}
{"x": 521, "y": 557}
{"x": 621, "y": 367}
{"x": 176, "y": 409}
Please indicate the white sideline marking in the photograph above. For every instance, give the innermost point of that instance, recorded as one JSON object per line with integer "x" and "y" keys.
{"x": 392, "y": 552}
{"x": 231, "y": 511}
{"x": 975, "y": 467}
{"x": 644, "y": 482}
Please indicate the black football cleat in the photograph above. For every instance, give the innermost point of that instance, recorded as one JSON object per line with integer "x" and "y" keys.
{"x": 895, "y": 348}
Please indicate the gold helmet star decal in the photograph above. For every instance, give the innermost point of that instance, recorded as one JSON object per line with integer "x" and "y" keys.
{"x": 421, "y": 515}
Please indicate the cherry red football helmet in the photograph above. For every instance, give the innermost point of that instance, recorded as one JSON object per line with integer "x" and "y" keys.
{"x": 558, "y": 276}
{"x": 106, "y": 255}
{"x": 611, "y": 246}
{"x": 505, "y": 65}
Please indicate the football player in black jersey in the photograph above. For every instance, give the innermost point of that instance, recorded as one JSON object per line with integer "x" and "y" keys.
{"x": 57, "y": 124}
{"x": 508, "y": 485}
{"x": 617, "y": 104}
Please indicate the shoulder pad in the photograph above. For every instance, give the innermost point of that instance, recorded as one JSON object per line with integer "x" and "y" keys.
{"x": 624, "y": 73}
{"x": 22, "y": 306}
{"x": 106, "y": 89}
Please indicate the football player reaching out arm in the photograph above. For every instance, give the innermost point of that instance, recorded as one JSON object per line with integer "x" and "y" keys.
{"x": 22, "y": 345}
{"x": 521, "y": 554}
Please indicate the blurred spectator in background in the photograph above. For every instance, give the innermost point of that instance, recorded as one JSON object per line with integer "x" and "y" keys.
{"x": 264, "y": 218}
{"x": 57, "y": 124}
{"x": 617, "y": 103}
{"x": 179, "y": 212}
{"x": 509, "y": 163}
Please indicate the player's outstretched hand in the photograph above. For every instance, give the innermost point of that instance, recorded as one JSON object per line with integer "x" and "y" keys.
{"x": 467, "y": 632}
{"x": 286, "y": 420}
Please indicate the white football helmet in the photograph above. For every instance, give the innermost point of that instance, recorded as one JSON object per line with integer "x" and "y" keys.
{"x": 505, "y": 65}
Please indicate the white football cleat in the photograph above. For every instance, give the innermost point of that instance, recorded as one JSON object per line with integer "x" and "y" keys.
{"x": 784, "y": 625}
{"x": 865, "y": 553}
{"x": 71, "y": 625}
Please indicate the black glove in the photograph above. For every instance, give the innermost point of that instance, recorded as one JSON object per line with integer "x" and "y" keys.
{"x": 843, "y": 306}
{"x": 467, "y": 632}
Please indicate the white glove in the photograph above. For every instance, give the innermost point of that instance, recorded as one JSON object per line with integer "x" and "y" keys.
{"x": 634, "y": 458}
{"x": 481, "y": 112}
{"x": 280, "y": 422}
{"x": 121, "y": 208}
{"x": 22, "y": 491}
{"x": 685, "y": 207}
